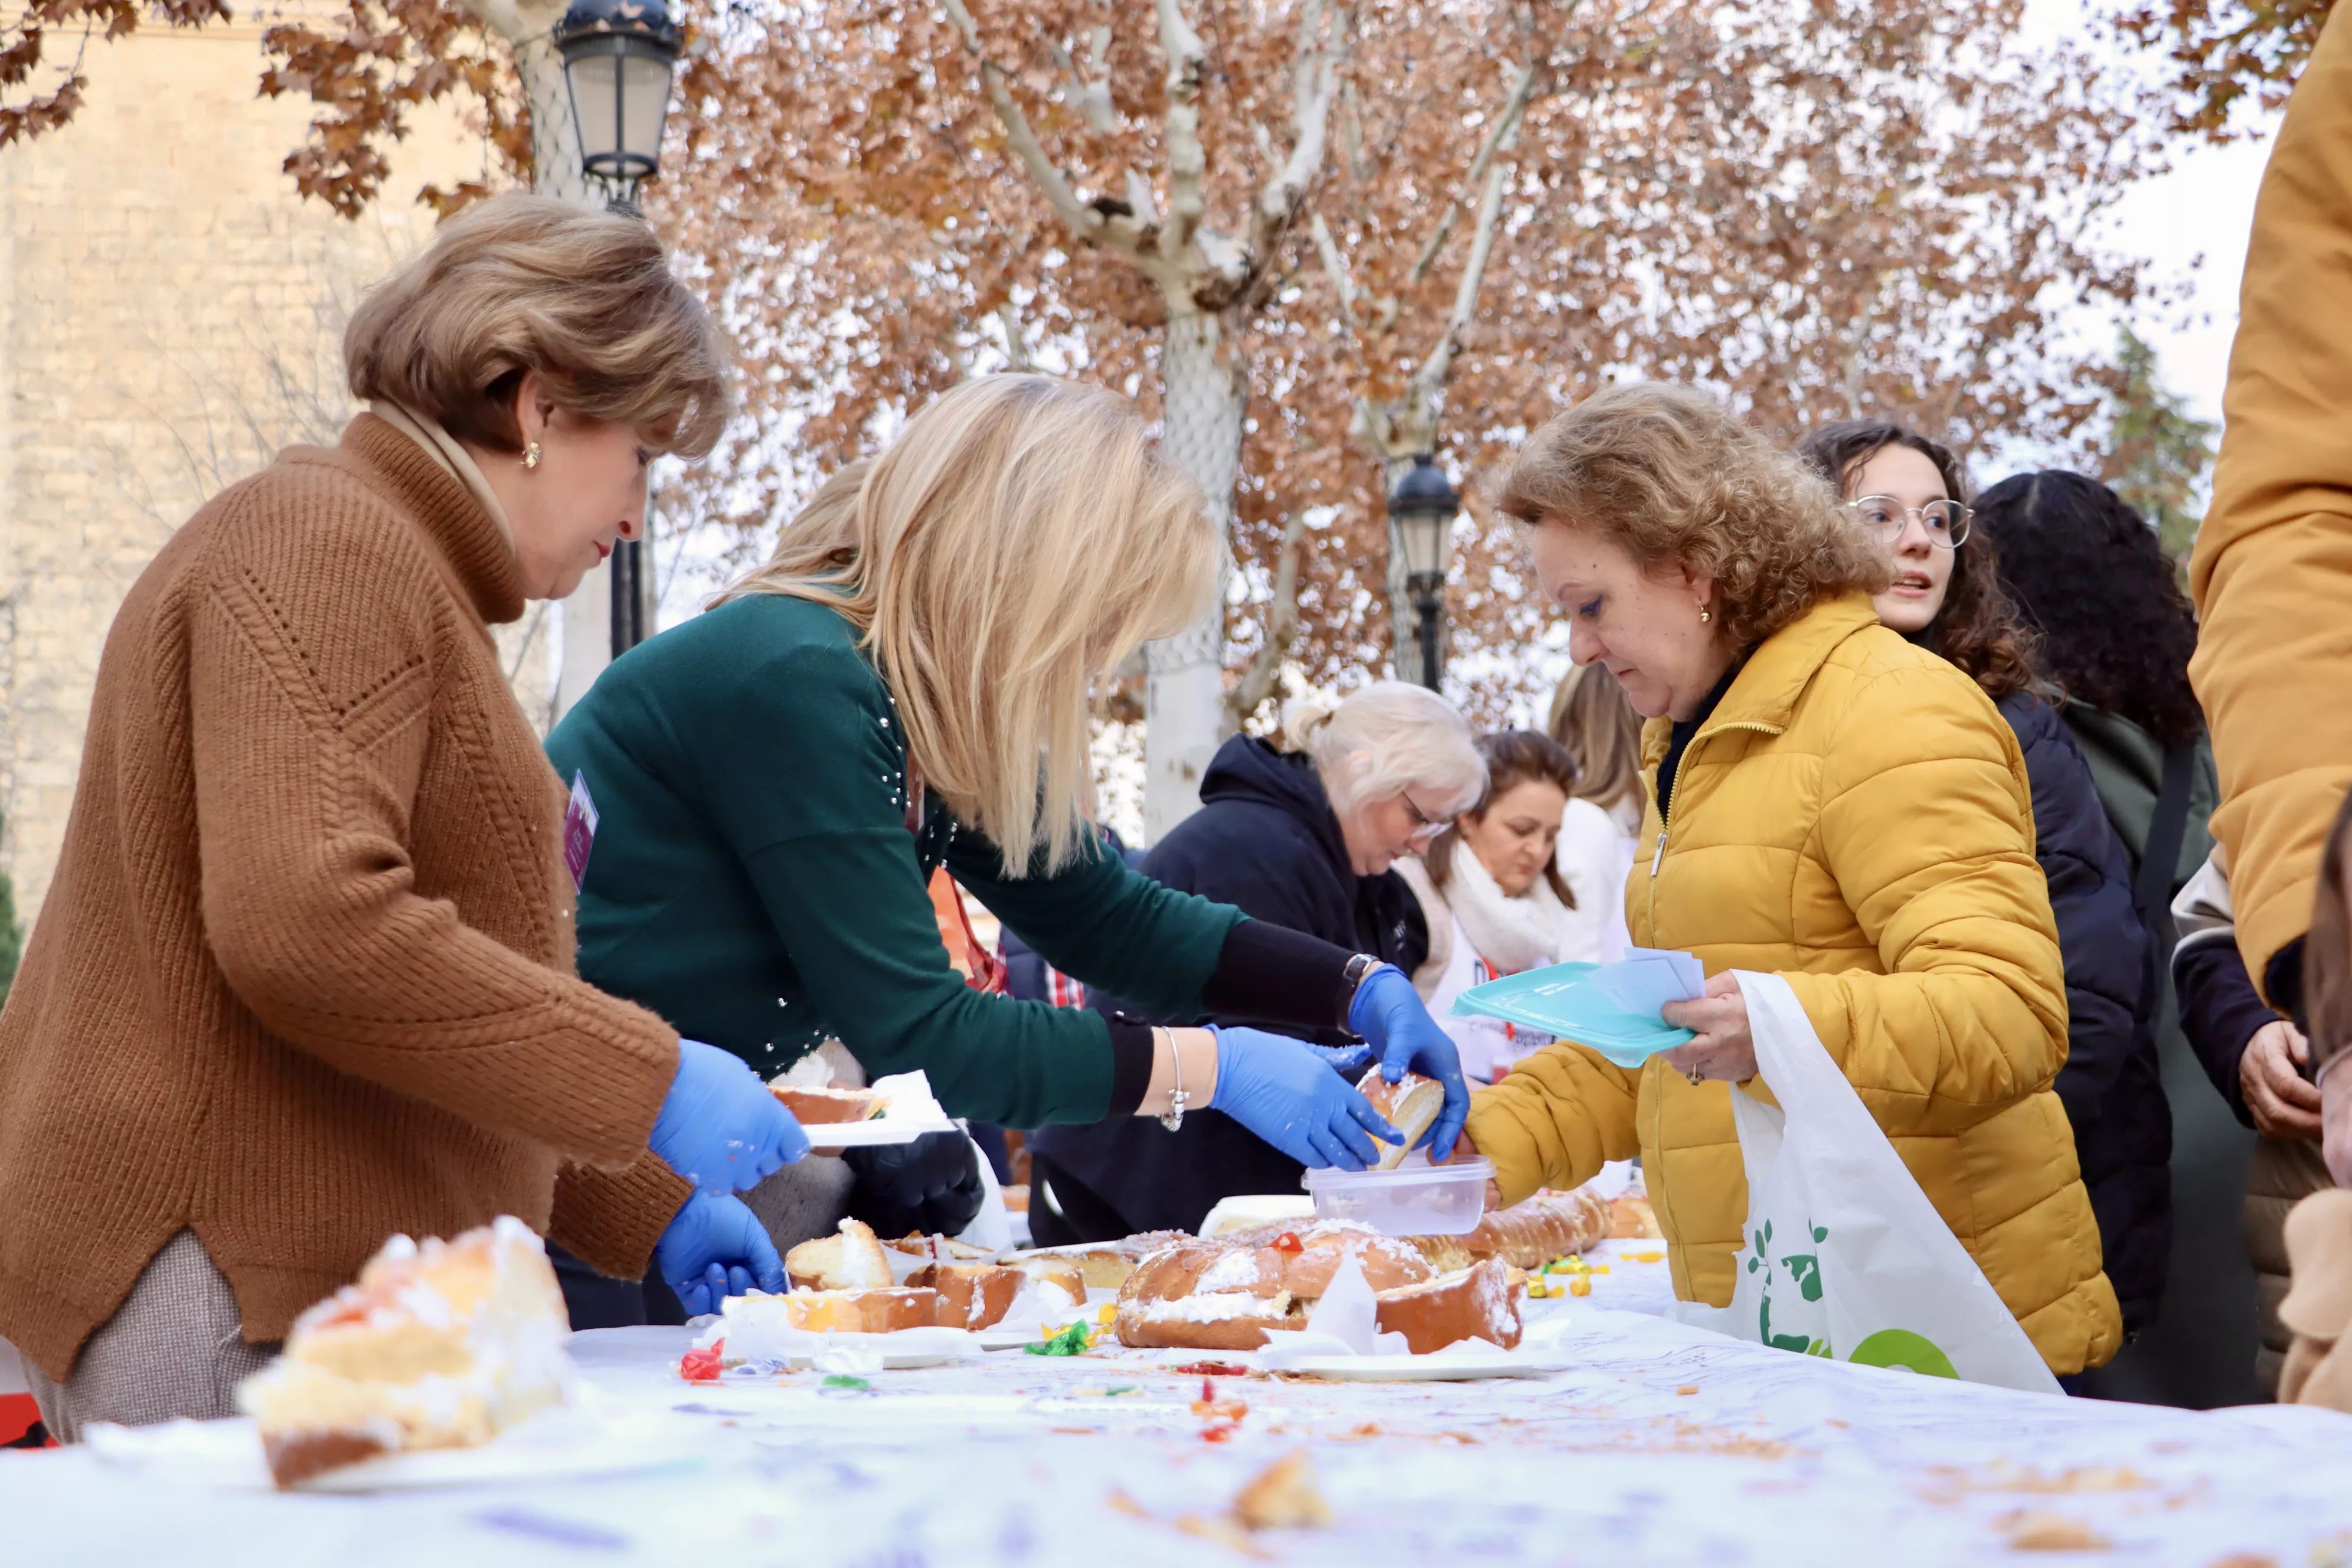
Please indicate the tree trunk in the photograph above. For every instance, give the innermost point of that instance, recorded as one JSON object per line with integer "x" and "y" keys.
{"x": 1184, "y": 706}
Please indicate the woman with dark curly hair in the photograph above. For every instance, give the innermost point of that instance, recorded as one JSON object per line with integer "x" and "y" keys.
{"x": 2114, "y": 633}
{"x": 1830, "y": 804}
{"x": 1947, "y": 597}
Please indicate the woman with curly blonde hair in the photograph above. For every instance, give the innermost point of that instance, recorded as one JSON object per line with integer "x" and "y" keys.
{"x": 1827, "y": 802}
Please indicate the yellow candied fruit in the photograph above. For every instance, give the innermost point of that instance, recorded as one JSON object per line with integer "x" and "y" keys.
{"x": 1580, "y": 1286}
{"x": 1646, "y": 1257}
{"x": 1108, "y": 1313}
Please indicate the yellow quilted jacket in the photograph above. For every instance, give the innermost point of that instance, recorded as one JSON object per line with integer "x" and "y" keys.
{"x": 2273, "y": 572}
{"x": 1853, "y": 816}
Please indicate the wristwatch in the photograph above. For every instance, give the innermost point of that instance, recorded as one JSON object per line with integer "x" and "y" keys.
{"x": 1351, "y": 979}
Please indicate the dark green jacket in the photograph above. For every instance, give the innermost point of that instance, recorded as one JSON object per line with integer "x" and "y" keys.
{"x": 753, "y": 879}
{"x": 2127, "y": 766}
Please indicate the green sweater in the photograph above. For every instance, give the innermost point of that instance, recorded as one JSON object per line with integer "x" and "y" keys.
{"x": 753, "y": 879}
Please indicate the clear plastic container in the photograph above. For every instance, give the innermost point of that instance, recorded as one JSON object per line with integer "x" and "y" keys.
{"x": 1417, "y": 1198}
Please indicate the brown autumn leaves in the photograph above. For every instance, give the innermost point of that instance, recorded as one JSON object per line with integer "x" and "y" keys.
{"x": 1824, "y": 207}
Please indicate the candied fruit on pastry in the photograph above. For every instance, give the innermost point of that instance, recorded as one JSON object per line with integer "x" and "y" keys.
{"x": 442, "y": 1345}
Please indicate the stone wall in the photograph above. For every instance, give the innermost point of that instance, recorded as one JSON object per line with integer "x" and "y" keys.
{"x": 170, "y": 315}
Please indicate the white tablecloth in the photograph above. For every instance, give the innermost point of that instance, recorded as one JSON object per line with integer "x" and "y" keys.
{"x": 1659, "y": 1444}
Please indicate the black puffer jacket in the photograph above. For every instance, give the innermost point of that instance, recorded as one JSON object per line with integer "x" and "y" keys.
{"x": 2111, "y": 1086}
{"x": 1264, "y": 839}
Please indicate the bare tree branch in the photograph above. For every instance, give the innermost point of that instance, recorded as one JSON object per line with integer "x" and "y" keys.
{"x": 1506, "y": 124}
{"x": 1431, "y": 377}
{"x": 1093, "y": 82}
{"x": 1314, "y": 84}
{"x": 1188, "y": 164}
{"x": 1335, "y": 267}
{"x": 1085, "y": 223}
{"x": 1256, "y": 683}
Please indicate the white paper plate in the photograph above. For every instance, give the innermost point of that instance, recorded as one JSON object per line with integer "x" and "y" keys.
{"x": 893, "y": 1361}
{"x": 1410, "y": 1368}
{"x": 881, "y": 1130}
{"x": 555, "y": 1445}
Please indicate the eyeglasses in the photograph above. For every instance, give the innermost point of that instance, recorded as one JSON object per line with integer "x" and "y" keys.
{"x": 1423, "y": 827}
{"x": 1946, "y": 522}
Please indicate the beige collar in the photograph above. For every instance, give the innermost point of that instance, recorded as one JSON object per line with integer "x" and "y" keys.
{"x": 446, "y": 449}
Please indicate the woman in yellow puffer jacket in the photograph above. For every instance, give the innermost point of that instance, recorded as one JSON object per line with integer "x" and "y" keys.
{"x": 1830, "y": 802}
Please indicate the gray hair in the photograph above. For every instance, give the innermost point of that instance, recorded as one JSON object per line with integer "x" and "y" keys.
{"x": 1385, "y": 739}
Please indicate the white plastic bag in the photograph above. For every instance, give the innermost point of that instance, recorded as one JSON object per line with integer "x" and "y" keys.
{"x": 1845, "y": 1256}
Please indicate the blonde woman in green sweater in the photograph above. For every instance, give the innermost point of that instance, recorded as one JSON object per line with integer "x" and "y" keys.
{"x": 775, "y": 781}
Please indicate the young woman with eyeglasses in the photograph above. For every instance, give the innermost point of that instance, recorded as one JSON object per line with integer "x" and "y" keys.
{"x": 1913, "y": 494}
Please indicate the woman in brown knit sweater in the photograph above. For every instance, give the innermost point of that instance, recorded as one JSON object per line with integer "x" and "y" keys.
{"x": 304, "y": 977}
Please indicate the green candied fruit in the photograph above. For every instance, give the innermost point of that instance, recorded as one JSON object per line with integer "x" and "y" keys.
{"x": 1071, "y": 1341}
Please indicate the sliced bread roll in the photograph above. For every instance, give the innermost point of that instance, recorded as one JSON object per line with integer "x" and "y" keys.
{"x": 850, "y": 1260}
{"x": 1411, "y": 1105}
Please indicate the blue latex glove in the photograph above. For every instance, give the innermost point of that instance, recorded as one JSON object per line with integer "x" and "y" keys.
{"x": 720, "y": 1128}
{"x": 1387, "y": 1011}
{"x": 1289, "y": 1094}
{"x": 715, "y": 1248}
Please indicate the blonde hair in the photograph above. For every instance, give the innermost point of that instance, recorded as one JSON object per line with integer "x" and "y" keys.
{"x": 826, "y": 525}
{"x": 1018, "y": 539}
{"x": 1675, "y": 479}
{"x": 584, "y": 298}
{"x": 1595, "y": 723}
{"x": 1385, "y": 739}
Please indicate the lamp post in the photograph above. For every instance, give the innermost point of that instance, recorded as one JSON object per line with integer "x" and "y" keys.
{"x": 618, "y": 58}
{"x": 1422, "y": 509}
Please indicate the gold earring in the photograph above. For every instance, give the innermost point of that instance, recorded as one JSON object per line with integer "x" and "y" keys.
{"x": 530, "y": 456}
{"x": 1704, "y": 614}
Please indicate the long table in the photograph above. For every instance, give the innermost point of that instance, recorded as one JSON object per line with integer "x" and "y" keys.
{"x": 1658, "y": 1443}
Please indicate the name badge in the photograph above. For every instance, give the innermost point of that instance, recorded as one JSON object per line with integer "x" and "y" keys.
{"x": 579, "y": 831}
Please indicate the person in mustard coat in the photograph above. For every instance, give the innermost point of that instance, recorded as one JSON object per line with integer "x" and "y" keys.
{"x": 1829, "y": 802}
{"x": 2273, "y": 572}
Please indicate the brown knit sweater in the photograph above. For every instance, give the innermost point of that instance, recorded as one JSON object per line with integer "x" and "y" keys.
{"x": 304, "y": 976}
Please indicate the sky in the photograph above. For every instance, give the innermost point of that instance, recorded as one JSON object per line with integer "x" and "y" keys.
{"x": 2192, "y": 224}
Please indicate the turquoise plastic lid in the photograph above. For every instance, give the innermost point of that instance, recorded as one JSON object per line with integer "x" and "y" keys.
{"x": 1562, "y": 1000}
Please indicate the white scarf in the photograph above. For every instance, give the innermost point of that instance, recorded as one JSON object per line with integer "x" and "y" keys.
{"x": 447, "y": 450}
{"x": 1511, "y": 933}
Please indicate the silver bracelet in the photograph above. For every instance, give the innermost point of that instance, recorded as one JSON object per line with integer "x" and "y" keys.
{"x": 1174, "y": 1118}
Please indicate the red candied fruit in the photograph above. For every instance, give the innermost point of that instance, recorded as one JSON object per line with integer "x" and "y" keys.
{"x": 1288, "y": 1242}
{"x": 700, "y": 1365}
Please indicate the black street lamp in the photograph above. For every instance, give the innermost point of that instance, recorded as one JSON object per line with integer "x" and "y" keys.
{"x": 617, "y": 59}
{"x": 1423, "y": 508}
{"x": 618, "y": 55}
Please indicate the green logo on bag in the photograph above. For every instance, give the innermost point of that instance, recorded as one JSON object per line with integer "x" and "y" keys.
{"x": 1901, "y": 1347}
{"x": 1804, "y": 1272}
